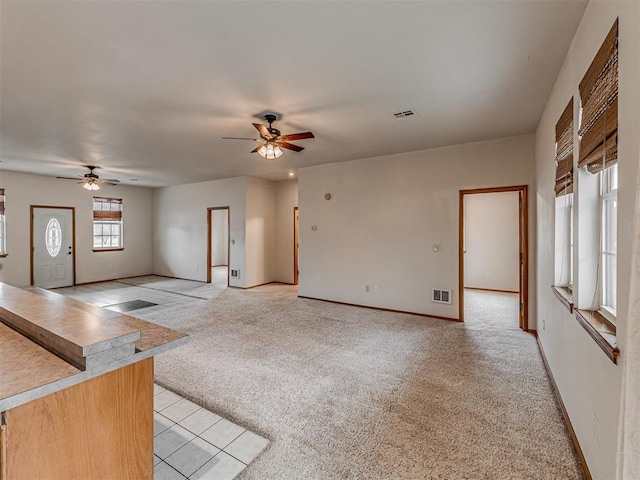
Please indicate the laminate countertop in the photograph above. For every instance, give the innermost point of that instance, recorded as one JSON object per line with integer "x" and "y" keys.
{"x": 49, "y": 342}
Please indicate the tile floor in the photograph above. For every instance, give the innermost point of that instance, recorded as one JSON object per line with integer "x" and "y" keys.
{"x": 111, "y": 294}
{"x": 189, "y": 441}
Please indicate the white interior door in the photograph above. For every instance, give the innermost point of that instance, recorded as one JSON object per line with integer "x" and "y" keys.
{"x": 52, "y": 247}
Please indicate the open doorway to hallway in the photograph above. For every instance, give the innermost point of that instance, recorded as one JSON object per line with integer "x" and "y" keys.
{"x": 218, "y": 246}
{"x": 493, "y": 257}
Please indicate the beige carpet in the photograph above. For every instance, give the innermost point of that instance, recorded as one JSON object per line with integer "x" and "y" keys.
{"x": 351, "y": 393}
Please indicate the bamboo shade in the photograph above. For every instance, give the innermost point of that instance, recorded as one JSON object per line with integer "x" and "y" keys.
{"x": 1, "y": 201}
{"x": 564, "y": 177}
{"x": 599, "y": 96}
{"x": 106, "y": 215}
{"x": 564, "y": 152}
{"x": 107, "y": 208}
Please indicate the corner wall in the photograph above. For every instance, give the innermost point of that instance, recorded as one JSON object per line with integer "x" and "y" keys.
{"x": 180, "y": 227}
{"x": 260, "y": 218}
{"x": 286, "y": 199}
{"x": 385, "y": 214}
{"x": 589, "y": 383}
{"x": 24, "y": 190}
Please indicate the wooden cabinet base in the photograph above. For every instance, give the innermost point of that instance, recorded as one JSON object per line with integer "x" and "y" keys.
{"x": 102, "y": 428}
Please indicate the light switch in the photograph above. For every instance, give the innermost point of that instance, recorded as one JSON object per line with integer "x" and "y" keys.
{"x": 435, "y": 247}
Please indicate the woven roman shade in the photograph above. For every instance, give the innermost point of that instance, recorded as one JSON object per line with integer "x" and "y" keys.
{"x": 1, "y": 201}
{"x": 564, "y": 152}
{"x": 599, "y": 96}
{"x": 107, "y": 208}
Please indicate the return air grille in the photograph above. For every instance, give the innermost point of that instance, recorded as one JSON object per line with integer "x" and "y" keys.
{"x": 441, "y": 296}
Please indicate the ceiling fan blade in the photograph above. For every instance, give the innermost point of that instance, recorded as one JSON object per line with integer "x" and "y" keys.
{"x": 264, "y": 131}
{"x": 297, "y": 136}
{"x": 290, "y": 146}
{"x": 109, "y": 180}
{"x": 242, "y": 138}
{"x": 258, "y": 148}
{"x": 70, "y": 178}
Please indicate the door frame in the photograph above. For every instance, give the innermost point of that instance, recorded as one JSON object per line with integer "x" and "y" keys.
{"x": 523, "y": 243}
{"x": 210, "y": 241}
{"x": 296, "y": 240}
{"x": 73, "y": 239}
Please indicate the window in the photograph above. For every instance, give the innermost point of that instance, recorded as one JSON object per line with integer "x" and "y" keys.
{"x": 53, "y": 237}
{"x": 107, "y": 224}
{"x": 599, "y": 156}
{"x": 608, "y": 253}
{"x": 3, "y": 248}
{"x": 597, "y": 202}
{"x": 564, "y": 203}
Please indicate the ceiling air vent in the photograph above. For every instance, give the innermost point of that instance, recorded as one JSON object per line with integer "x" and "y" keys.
{"x": 404, "y": 113}
{"x": 441, "y": 296}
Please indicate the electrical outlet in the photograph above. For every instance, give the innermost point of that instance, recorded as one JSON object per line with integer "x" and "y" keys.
{"x": 543, "y": 323}
{"x": 367, "y": 288}
{"x": 375, "y": 289}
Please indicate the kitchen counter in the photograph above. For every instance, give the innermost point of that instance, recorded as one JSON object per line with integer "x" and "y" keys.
{"x": 75, "y": 379}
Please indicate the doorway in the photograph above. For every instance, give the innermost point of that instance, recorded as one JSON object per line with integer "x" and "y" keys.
{"x": 218, "y": 245}
{"x": 296, "y": 247}
{"x": 499, "y": 272}
{"x": 53, "y": 246}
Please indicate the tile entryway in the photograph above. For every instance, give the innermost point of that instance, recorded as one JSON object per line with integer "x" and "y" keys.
{"x": 191, "y": 442}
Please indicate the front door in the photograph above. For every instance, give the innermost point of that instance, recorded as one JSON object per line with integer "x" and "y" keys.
{"x": 52, "y": 241}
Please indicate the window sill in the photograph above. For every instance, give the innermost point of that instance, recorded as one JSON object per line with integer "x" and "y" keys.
{"x": 108, "y": 249}
{"x": 2, "y": 255}
{"x": 601, "y": 330}
{"x": 565, "y": 296}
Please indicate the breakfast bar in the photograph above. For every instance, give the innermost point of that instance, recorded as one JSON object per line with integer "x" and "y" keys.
{"x": 76, "y": 388}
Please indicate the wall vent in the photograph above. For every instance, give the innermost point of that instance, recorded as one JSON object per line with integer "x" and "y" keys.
{"x": 235, "y": 273}
{"x": 404, "y": 113}
{"x": 441, "y": 296}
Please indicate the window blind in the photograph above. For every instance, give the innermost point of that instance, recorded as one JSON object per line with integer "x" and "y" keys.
{"x": 599, "y": 96}
{"x": 107, "y": 208}
{"x": 564, "y": 152}
{"x": 1, "y": 201}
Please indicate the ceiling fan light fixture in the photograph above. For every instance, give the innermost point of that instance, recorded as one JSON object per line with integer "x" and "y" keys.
{"x": 270, "y": 151}
{"x": 91, "y": 186}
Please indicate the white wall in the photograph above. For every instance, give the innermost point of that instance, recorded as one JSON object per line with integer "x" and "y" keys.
{"x": 24, "y": 190}
{"x": 491, "y": 224}
{"x": 180, "y": 227}
{"x": 259, "y": 255}
{"x": 286, "y": 198}
{"x": 386, "y": 212}
{"x": 219, "y": 237}
{"x": 588, "y": 381}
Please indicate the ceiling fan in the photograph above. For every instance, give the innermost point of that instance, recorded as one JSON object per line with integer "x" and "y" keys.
{"x": 92, "y": 181}
{"x": 273, "y": 139}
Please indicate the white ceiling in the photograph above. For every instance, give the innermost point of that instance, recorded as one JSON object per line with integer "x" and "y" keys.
{"x": 147, "y": 89}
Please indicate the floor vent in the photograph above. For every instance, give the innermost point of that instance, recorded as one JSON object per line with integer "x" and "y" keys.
{"x": 404, "y": 113}
{"x": 130, "y": 306}
{"x": 441, "y": 296}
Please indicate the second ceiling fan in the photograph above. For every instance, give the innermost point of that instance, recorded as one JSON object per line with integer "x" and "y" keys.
{"x": 273, "y": 139}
